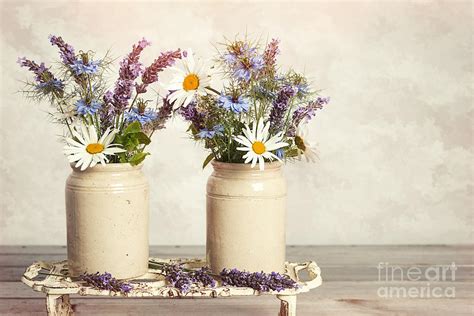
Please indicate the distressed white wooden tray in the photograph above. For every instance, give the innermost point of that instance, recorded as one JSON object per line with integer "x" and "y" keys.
{"x": 51, "y": 278}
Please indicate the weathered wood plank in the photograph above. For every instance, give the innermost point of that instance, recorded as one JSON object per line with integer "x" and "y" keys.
{"x": 244, "y": 306}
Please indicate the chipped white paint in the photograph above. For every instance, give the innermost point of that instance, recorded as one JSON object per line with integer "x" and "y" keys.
{"x": 53, "y": 280}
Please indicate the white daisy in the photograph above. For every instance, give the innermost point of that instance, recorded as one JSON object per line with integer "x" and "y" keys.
{"x": 304, "y": 147}
{"x": 87, "y": 150}
{"x": 188, "y": 82}
{"x": 258, "y": 145}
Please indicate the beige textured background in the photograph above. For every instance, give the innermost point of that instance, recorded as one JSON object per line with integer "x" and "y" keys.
{"x": 396, "y": 142}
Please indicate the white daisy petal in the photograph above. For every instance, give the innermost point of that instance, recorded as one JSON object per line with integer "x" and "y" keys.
{"x": 254, "y": 161}
{"x": 261, "y": 163}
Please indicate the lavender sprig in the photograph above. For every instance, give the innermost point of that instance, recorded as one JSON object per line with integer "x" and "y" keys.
{"x": 191, "y": 113}
{"x": 66, "y": 51}
{"x": 44, "y": 78}
{"x": 105, "y": 281}
{"x": 309, "y": 111}
{"x": 150, "y": 75}
{"x": 130, "y": 69}
{"x": 259, "y": 281}
{"x": 177, "y": 277}
{"x": 280, "y": 107}
{"x": 269, "y": 55}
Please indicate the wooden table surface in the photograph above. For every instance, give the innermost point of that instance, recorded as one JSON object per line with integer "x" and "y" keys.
{"x": 357, "y": 280}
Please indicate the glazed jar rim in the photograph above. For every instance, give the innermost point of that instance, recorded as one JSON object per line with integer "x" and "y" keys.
{"x": 109, "y": 167}
{"x": 275, "y": 165}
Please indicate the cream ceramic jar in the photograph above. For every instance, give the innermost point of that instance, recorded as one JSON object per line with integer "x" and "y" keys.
{"x": 107, "y": 220}
{"x": 246, "y": 216}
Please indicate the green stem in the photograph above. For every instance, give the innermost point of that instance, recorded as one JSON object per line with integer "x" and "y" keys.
{"x": 62, "y": 112}
{"x": 129, "y": 109}
{"x": 213, "y": 90}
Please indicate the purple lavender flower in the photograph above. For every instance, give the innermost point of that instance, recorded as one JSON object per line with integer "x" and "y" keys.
{"x": 164, "y": 113}
{"x": 44, "y": 78}
{"x": 259, "y": 281}
{"x": 144, "y": 117}
{"x": 84, "y": 107}
{"x": 203, "y": 277}
{"x": 105, "y": 281}
{"x": 150, "y": 75}
{"x": 66, "y": 51}
{"x": 90, "y": 68}
{"x": 191, "y": 113}
{"x": 130, "y": 69}
{"x": 177, "y": 277}
{"x": 309, "y": 111}
{"x": 211, "y": 133}
{"x": 279, "y": 107}
{"x": 269, "y": 55}
{"x": 236, "y": 105}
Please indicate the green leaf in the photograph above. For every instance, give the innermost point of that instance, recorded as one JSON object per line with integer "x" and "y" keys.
{"x": 207, "y": 160}
{"x": 142, "y": 138}
{"x": 132, "y": 128}
{"x": 123, "y": 157}
{"x": 138, "y": 158}
{"x": 131, "y": 143}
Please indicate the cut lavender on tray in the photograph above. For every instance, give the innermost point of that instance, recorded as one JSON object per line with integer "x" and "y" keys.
{"x": 260, "y": 281}
{"x": 106, "y": 281}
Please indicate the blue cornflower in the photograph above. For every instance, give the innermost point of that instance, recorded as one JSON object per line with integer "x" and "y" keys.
{"x": 145, "y": 117}
{"x": 302, "y": 89}
{"x": 215, "y": 131}
{"x": 280, "y": 153}
{"x": 53, "y": 84}
{"x": 239, "y": 105}
{"x": 83, "y": 107}
{"x": 90, "y": 68}
{"x": 245, "y": 69}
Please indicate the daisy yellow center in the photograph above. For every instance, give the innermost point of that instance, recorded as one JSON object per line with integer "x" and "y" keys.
{"x": 299, "y": 142}
{"x": 191, "y": 82}
{"x": 258, "y": 147}
{"x": 95, "y": 148}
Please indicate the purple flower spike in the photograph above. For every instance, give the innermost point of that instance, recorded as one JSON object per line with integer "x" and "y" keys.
{"x": 150, "y": 75}
{"x": 66, "y": 51}
{"x": 279, "y": 107}
{"x": 259, "y": 281}
{"x": 191, "y": 113}
{"x": 130, "y": 69}
{"x": 105, "y": 281}
{"x": 44, "y": 78}
{"x": 269, "y": 56}
{"x": 309, "y": 111}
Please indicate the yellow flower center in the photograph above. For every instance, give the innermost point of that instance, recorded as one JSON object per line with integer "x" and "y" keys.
{"x": 299, "y": 142}
{"x": 258, "y": 147}
{"x": 95, "y": 148}
{"x": 191, "y": 82}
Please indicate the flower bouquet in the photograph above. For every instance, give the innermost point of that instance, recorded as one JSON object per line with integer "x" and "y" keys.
{"x": 257, "y": 116}
{"x": 106, "y": 132}
{"x": 102, "y": 125}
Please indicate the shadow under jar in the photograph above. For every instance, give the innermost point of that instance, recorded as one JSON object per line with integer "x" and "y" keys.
{"x": 246, "y": 217}
{"x": 107, "y": 210}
